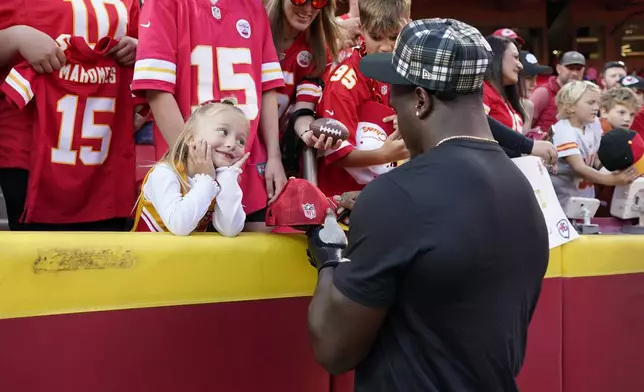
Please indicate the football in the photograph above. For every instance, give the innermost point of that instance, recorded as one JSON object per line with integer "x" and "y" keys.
{"x": 330, "y": 128}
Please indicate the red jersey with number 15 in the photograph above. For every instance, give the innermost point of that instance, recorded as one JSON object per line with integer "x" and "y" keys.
{"x": 82, "y": 154}
{"x": 89, "y": 19}
{"x": 204, "y": 50}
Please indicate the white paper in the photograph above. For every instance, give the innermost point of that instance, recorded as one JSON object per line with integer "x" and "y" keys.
{"x": 560, "y": 230}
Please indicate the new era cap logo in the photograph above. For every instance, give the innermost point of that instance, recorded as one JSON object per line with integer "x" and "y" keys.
{"x": 427, "y": 75}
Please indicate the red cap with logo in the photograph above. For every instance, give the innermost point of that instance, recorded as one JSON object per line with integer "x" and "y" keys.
{"x": 300, "y": 204}
{"x": 509, "y": 33}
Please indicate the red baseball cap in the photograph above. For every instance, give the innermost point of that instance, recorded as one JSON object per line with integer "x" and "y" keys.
{"x": 509, "y": 33}
{"x": 300, "y": 204}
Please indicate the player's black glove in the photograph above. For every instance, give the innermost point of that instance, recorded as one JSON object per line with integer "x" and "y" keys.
{"x": 326, "y": 243}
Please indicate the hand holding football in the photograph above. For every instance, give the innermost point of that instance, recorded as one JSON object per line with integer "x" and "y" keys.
{"x": 330, "y": 128}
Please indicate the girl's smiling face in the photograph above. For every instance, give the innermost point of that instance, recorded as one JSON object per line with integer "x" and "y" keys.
{"x": 226, "y": 134}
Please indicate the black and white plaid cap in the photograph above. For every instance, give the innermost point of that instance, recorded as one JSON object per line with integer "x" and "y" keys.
{"x": 438, "y": 54}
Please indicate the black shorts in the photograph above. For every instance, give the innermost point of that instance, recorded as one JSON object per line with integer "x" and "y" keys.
{"x": 257, "y": 216}
{"x": 114, "y": 224}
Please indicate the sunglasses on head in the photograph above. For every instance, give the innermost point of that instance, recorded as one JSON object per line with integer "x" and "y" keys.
{"x": 317, "y": 4}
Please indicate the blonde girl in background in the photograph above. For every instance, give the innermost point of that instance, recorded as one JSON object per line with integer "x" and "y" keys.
{"x": 577, "y": 135}
{"x": 196, "y": 181}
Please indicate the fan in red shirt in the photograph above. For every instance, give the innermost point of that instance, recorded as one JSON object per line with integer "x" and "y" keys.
{"x": 29, "y": 30}
{"x": 501, "y": 98}
{"x": 353, "y": 99}
{"x": 636, "y": 84}
{"x": 82, "y": 156}
{"x": 306, "y": 37}
{"x": 192, "y": 52}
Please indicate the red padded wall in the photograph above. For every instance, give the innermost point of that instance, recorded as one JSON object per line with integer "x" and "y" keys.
{"x": 603, "y": 338}
{"x": 241, "y": 347}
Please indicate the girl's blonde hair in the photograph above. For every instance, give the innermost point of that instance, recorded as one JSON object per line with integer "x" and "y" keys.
{"x": 570, "y": 94}
{"x": 323, "y": 34}
{"x": 177, "y": 156}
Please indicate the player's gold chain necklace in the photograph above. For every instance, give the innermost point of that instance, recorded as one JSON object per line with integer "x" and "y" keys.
{"x": 480, "y": 139}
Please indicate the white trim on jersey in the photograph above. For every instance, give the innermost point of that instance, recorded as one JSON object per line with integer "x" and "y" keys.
{"x": 289, "y": 78}
{"x": 150, "y": 221}
{"x": 153, "y": 69}
{"x": 310, "y": 89}
{"x": 271, "y": 72}
{"x": 343, "y": 145}
{"x": 20, "y": 85}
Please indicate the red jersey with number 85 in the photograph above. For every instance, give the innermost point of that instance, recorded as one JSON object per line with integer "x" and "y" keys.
{"x": 203, "y": 50}
{"x": 82, "y": 154}
{"x": 346, "y": 92}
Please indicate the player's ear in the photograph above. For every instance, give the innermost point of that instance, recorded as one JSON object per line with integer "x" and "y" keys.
{"x": 423, "y": 102}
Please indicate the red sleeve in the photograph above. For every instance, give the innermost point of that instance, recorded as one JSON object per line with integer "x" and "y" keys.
{"x": 156, "y": 61}
{"x": 308, "y": 90}
{"x": 638, "y": 123}
{"x": 12, "y": 13}
{"x": 272, "y": 77}
{"x": 311, "y": 90}
{"x": 540, "y": 99}
{"x": 17, "y": 86}
{"x": 488, "y": 100}
{"x": 133, "y": 27}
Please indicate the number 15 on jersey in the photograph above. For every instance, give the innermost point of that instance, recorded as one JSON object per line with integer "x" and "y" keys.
{"x": 68, "y": 107}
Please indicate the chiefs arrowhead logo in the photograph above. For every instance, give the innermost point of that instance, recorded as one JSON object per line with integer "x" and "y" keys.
{"x": 563, "y": 227}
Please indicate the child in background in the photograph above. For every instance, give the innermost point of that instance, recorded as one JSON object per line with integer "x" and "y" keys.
{"x": 636, "y": 84}
{"x": 348, "y": 96}
{"x": 196, "y": 182}
{"x": 577, "y": 135}
{"x": 617, "y": 108}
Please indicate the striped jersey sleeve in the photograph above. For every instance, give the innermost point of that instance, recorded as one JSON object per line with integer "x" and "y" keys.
{"x": 565, "y": 139}
{"x": 156, "y": 62}
{"x": 308, "y": 91}
{"x": 18, "y": 85}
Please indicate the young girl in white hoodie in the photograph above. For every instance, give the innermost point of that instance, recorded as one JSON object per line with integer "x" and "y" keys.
{"x": 196, "y": 182}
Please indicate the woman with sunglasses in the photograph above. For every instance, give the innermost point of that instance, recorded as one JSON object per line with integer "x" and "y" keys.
{"x": 191, "y": 52}
{"x": 305, "y": 33}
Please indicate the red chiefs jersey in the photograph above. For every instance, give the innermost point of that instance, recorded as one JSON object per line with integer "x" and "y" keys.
{"x": 82, "y": 156}
{"x": 203, "y": 50}
{"x": 298, "y": 66}
{"x": 92, "y": 20}
{"x": 638, "y": 123}
{"x": 345, "y": 92}
{"x": 499, "y": 109}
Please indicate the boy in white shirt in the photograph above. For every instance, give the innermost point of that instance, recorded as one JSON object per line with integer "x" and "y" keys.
{"x": 577, "y": 136}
